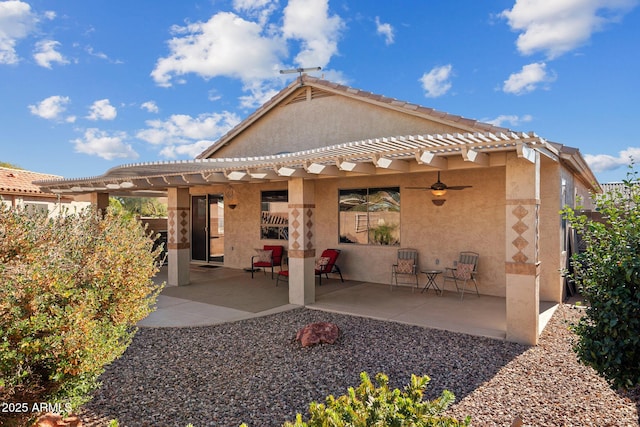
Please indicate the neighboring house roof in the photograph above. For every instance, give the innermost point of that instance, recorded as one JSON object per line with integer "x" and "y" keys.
{"x": 613, "y": 186}
{"x": 320, "y": 86}
{"x": 622, "y": 188}
{"x": 20, "y": 182}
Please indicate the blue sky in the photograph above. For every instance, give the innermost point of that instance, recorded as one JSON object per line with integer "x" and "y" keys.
{"x": 88, "y": 85}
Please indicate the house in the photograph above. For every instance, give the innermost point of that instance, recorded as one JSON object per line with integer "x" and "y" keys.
{"x": 18, "y": 191}
{"x": 322, "y": 165}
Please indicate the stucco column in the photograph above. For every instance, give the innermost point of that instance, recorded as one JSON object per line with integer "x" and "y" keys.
{"x": 100, "y": 202}
{"x": 178, "y": 237}
{"x": 522, "y": 254}
{"x": 302, "y": 251}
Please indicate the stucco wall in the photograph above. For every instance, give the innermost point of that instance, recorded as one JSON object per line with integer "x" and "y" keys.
{"x": 470, "y": 219}
{"x": 51, "y": 204}
{"x": 583, "y": 196}
{"x": 550, "y": 242}
{"x": 242, "y": 224}
{"x": 322, "y": 122}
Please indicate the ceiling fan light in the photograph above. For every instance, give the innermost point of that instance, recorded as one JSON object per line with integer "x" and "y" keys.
{"x": 438, "y": 192}
{"x": 438, "y": 202}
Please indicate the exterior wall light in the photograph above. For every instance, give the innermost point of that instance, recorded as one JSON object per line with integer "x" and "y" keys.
{"x": 230, "y": 198}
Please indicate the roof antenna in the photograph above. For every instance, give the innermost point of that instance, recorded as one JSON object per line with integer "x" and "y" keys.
{"x": 300, "y": 70}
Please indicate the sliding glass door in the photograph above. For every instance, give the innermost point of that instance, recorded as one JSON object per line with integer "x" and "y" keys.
{"x": 207, "y": 228}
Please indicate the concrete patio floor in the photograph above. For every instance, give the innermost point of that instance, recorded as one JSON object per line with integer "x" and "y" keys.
{"x": 218, "y": 295}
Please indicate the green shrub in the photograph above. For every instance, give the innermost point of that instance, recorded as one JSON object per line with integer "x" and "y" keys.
{"x": 608, "y": 275}
{"x": 72, "y": 289}
{"x": 368, "y": 405}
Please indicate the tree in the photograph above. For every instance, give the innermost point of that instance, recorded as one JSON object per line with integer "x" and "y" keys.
{"x": 143, "y": 206}
{"x": 607, "y": 272}
{"x": 73, "y": 288}
{"x": 9, "y": 165}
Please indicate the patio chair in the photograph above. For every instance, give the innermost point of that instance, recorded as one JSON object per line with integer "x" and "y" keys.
{"x": 268, "y": 257}
{"x": 406, "y": 267}
{"x": 464, "y": 272}
{"x": 326, "y": 264}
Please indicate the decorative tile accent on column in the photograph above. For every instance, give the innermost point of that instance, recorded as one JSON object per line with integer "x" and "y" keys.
{"x": 301, "y": 230}
{"x": 309, "y": 229}
{"x": 294, "y": 229}
{"x": 178, "y": 228}
{"x": 537, "y": 245}
{"x": 522, "y": 251}
{"x": 520, "y": 227}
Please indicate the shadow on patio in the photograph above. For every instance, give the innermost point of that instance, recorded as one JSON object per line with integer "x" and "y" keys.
{"x": 218, "y": 295}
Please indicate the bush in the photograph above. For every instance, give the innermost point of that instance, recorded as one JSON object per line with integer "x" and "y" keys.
{"x": 607, "y": 273}
{"x": 73, "y": 287}
{"x": 368, "y": 405}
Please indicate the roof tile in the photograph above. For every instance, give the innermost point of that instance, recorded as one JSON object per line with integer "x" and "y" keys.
{"x": 18, "y": 181}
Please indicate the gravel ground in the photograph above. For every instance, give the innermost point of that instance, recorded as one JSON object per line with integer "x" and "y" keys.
{"x": 253, "y": 371}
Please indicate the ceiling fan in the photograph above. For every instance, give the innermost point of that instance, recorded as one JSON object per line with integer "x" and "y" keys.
{"x": 439, "y": 188}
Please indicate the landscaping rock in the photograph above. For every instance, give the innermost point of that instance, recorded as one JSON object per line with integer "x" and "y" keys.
{"x": 318, "y": 333}
{"x": 55, "y": 420}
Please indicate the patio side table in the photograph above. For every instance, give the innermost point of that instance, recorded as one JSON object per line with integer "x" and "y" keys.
{"x": 431, "y": 280}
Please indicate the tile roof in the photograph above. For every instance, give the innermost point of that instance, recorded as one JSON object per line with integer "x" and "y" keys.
{"x": 18, "y": 181}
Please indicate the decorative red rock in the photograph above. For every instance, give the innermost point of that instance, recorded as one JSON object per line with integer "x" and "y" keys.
{"x": 55, "y": 420}
{"x": 317, "y": 333}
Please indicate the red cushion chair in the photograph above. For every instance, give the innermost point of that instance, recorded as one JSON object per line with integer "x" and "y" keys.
{"x": 267, "y": 259}
{"x": 324, "y": 265}
{"x": 327, "y": 264}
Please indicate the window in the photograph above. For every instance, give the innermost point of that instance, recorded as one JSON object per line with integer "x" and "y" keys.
{"x": 36, "y": 207}
{"x": 370, "y": 216}
{"x": 274, "y": 215}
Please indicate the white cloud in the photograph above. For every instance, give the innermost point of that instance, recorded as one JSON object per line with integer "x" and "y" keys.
{"x": 226, "y": 45}
{"x": 436, "y": 82}
{"x": 51, "y": 108}
{"x": 385, "y": 30}
{"x": 213, "y": 95}
{"x": 510, "y": 120}
{"x": 605, "y": 162}
{"x": 251, "y": 49}
{"x": 99, "y": 143}
{"x": 258, "y": 94}
{"x": 251, "y": 4}
{"x": 309, "y": 22}
{"x": 185, "y": 134}
{"x": 186, "y": 150}
{"x": 102, "y": 110}
{"x": 17, "y": 21}
{"x": 46, "y": 53}
{"x": 261, "y": 9}
{"x": 528, "y": 79}
{"x": 101, "y": 55}
{"x": 150, "y": 106}
{"x": 559, "y": 26}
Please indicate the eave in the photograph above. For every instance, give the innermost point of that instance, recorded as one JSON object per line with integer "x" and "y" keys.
{"x": 400, "y": 154}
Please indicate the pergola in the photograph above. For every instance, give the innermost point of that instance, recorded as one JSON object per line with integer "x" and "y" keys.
{"x": 410, "y": 153}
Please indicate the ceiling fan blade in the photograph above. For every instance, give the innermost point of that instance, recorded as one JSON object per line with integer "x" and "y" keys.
{"x": 417, "y": 188}
{"x": 459, "y": 187}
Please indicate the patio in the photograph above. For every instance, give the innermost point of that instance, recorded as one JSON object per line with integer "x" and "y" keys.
{"x": 219, "y": 294}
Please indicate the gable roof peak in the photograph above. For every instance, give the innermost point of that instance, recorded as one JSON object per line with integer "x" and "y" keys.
{"x": 469, "y": 125}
